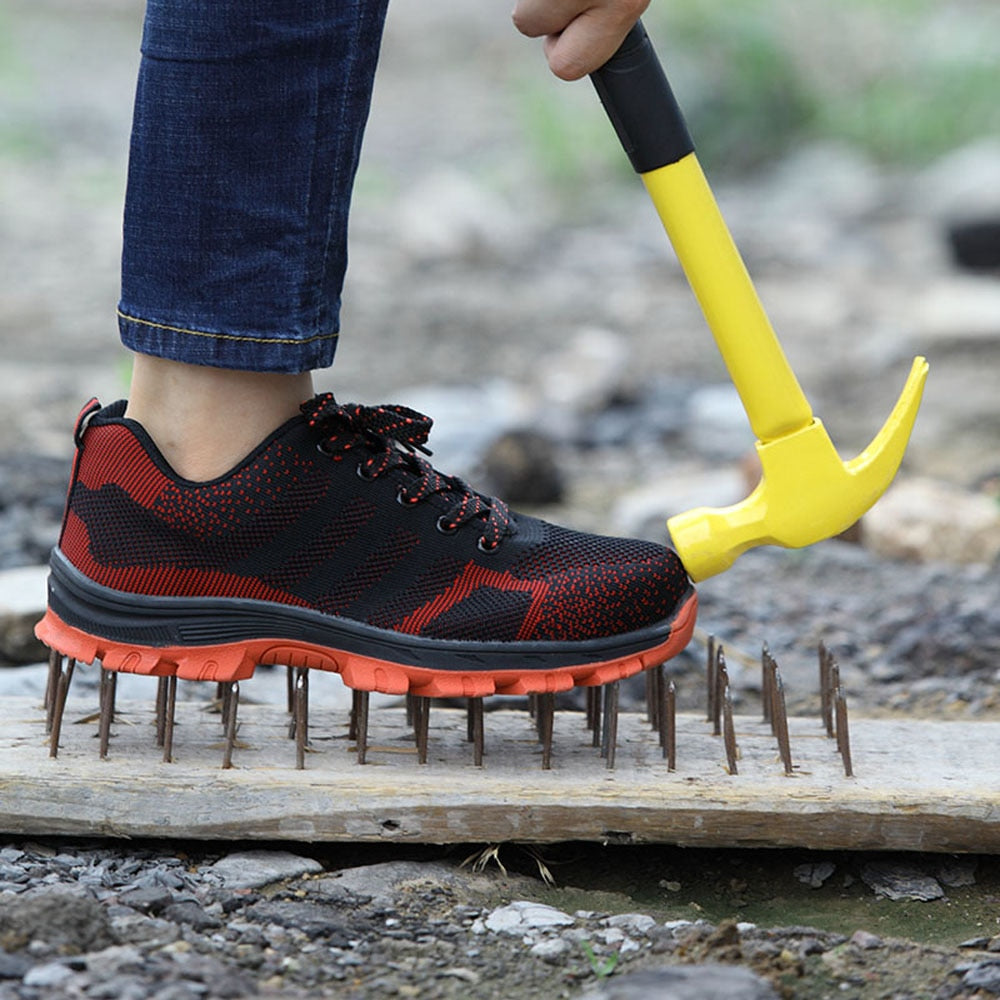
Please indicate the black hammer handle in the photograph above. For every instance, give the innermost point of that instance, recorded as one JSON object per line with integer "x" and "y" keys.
{"x": 637, "y": 97}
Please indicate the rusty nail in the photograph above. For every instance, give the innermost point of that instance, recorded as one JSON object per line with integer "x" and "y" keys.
{"x": 359, "y": 716}
{"x": 545, "y": 708}
{"x": 729, "y": 730}
{"x": 107, "y": 689}
{"x": 670, "y": 750}
{"x": 421, "y": 726}
{"x": 59, "y": 705}
{"x": 169, "y": 711}
{"x": 781, "y": 722}
{"x": 843, "y": 736}
{"x": 609, "y": 744}
{"x": 231, "y": 701}
{"x": 598, "y": 721}
{"x": 300, "y": 717}
{"x": 290, "y": 689}
{"x": 161, "y": 709}
{"x": 765, "y": 683}
{"x": 352, "y": 722}
{"x": 721, "y": 675}
{"x": 51, "y": 685}
{"x": 826, "y": 690}
{"x": 477, "y": 737}
{"x": 710, "y": 679}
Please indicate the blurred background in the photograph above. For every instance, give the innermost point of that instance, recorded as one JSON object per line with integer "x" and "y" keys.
{"x": 508, "y": 272}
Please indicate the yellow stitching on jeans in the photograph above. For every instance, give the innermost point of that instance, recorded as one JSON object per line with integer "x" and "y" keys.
{"x": 284, "y": 341}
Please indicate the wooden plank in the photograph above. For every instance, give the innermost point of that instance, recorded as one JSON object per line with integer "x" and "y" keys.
{"x": 918, "y": 785}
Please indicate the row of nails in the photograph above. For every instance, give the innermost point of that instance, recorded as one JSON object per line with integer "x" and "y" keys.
{"x": 602, "y": 709}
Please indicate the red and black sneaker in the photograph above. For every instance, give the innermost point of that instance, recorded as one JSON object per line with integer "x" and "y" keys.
{"x": 334, "y": 546}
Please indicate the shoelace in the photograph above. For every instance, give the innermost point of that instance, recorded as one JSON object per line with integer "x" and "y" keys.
{"x": 388, "y": 436}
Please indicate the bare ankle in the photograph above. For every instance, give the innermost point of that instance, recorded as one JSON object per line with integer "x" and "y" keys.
{"x": 206, "y": 420}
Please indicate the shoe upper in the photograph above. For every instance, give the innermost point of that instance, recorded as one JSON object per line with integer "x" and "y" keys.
{"x": 335, "y": 512}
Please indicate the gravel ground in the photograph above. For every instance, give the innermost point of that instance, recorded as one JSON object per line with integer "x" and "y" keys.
{"x": 495, "y": 298}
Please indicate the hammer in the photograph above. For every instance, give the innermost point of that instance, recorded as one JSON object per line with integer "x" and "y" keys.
{"x": 807, "y": 492}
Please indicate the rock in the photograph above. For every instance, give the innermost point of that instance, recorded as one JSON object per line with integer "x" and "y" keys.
{"x": 925, "y": 520}
{"x": 975, "y": 244}
{"x": 380, "y": 886}
{"x": 636, "y": 924}
{"x": 717, "y": 424}
{"x": 685, "y": 982}
{"x": 149, "y": 899}
{"x": 866, "y": 940}
{"x": 962, "y": 185}
{"x": 192, "y": 915}
{"x": 253, "y": 869}
{"x": 984, "y": 976}
{"x": 957, "y": 872}
{"x": 51, "y": 975}
{"x": 70, "y": 922}
{"x": 585, "y": 375}
{"x": 523, "y": 915}
{"x": 13, "y": 966}
{"x": 900, "y": 881}
{"x": 315, "y": 920}
{"x": 958, "y": 311}
{"x": 522, "y": 466}
{"x": 642, "y": 512}
{"x": 552, "y": 950}
{"x": 814, "y": 875}
{"x": 22, "y": 603}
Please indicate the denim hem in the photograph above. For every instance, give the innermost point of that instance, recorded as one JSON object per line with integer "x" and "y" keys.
{"x": 242, "y": 351}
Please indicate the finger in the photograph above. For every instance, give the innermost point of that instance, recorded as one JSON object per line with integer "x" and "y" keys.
{"x": 588, "y": 42}
{"x": 536, "y": 18}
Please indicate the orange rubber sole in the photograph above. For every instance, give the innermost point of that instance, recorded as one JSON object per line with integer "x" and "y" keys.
{"x": 236, "y": 662}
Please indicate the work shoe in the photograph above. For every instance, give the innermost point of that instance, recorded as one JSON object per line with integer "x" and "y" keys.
{"x": 334, "y": 546}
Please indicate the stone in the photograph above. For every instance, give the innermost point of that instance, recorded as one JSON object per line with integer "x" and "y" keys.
{"x": 192, "y": 915}
{"x": 380, "y": 885}
{"x": 551, "y": 950}
{"x": 866, "y": 940}
{"x": 957, "y": 872}
{"x": 71, "y": 922}
{"x": 522, "y": 466}
{"x": 814, "y": 875}
{"x": 984, "y": 976}
{"x": 900, "y": 881}
{"x": 925, "y": 520}
{"x": 685, "y": 982}
{"x": 50, "y": 975}
{"x": 585, "y": 374}
{"x": 22, "y": 602}
{"x": 523, "y": 915}
{"x": 253, "y": 869}
{"x": 13, "y": 965}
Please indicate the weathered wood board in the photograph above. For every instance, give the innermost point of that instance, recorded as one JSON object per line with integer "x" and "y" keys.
{"x": 929, "y": 786}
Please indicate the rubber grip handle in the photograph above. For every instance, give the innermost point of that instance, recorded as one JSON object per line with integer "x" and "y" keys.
{"x": 643, "y": 110}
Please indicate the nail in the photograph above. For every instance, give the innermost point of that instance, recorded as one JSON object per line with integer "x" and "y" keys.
{"x": 599, "y": 719}
{"x": 169, "y": 712}
{"x": 721, "y": 683}
{"x": 290, "y": 688}
{"x": 710, "y": 679}
{"x": 352, "y": 722}
{"x": 360, "y": 721}
{"x": 231, "y": 701}
{"x": 670, "y": 750}
{"x": 593, "y": 708}
{"x": 843, "y": 736}
{"x": 161, "y": 710}
{"x": 477, "y": 728}
{"x": 781, "y": 723}
{"x": 107, "y": 689}
{"x": 300, "y": 717}
{"x": 63, "y": 682}
{"x": 765, "y": 683}
{"x": 545, "y": 707}
{"x": 825, "y": 688}
{"x": 610, "y": 741}
{"x": 729, "y": 730}
{"x": 51, "y": 685}
{"x": 421, "y": 724}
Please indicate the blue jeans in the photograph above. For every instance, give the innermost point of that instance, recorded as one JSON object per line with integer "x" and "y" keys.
{"x": 248, "y": 122}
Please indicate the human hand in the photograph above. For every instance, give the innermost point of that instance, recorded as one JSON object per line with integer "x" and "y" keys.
{"x": 580, "y": 35}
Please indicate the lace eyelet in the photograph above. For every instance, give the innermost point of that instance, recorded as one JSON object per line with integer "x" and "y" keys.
{"x": 323, "y": 449}
{"x": 484, "y": 548}
{"x": 444, "y": 527}
{"x": 402, "y": 499}
{"x": 360, "y": 469}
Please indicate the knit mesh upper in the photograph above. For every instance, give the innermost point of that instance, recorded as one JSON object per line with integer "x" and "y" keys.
{"x": 297, "y": 525}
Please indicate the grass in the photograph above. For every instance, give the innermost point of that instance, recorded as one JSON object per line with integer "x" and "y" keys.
{"x": 902, "y": 80}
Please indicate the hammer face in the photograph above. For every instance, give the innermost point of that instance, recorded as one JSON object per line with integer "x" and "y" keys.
{"x": 806, "y": 493}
